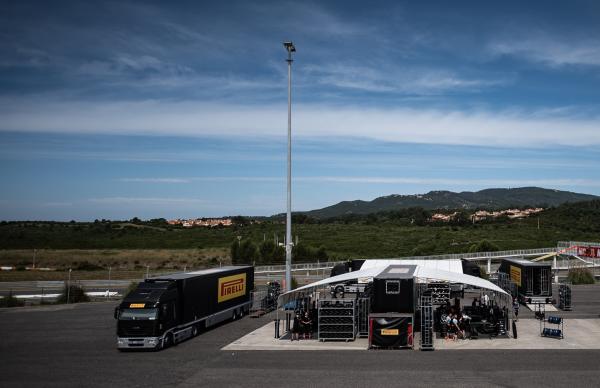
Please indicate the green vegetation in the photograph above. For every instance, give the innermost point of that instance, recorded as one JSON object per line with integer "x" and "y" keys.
{"x": 73, "y": 294}
{"x": 581, "y": 276}
{"x": 403, "y": 232}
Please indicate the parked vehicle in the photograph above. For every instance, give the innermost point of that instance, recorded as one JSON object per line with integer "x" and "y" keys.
{"x": 166, "y": 310}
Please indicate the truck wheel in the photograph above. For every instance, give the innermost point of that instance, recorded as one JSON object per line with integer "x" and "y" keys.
{"x": 194, "y": 330}
{"x": 168, "y": 341}
{"x": 234, "y": 316}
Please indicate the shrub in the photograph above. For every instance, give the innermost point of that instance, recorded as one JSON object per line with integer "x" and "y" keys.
{"x": 581, "y": 276}
{"x": 10, "y": 301}
{"x": 87, "y": 266}
{"x": 74, "y": 293}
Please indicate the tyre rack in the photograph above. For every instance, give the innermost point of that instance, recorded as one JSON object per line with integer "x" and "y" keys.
{"x": 440, "y": 292}
{"x": 557, "y": 330}
{"x": 564, "y": 297}
{"x": 337, "y": 320}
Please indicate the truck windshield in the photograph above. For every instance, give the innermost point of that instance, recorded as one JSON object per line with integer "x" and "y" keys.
{"x": 138, "y": 314}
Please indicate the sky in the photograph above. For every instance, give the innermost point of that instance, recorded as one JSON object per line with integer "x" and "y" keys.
{"x": 179, "y": 109}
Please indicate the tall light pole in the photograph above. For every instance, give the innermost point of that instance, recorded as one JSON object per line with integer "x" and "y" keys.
{"x": 289, "y": 46}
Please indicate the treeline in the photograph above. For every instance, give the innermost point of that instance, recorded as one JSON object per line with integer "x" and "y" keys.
{"x": 267, "y": 252}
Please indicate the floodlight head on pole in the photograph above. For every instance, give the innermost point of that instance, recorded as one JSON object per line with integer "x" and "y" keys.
{"x": 289, "y": 46}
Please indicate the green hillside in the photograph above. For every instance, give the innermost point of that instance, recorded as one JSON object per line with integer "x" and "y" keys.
{"x": 484, "y": 199}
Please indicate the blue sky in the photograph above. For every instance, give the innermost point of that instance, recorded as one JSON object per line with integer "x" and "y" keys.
{"x": 148, "y": 109}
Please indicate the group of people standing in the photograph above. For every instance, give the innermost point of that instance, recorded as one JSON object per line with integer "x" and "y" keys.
{"x": 302, "y": 325}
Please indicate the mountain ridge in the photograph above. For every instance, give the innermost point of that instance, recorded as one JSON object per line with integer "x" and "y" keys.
{"x": 492, "y": 198}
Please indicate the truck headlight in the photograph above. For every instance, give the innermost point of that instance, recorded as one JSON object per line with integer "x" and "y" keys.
{"x": 152, "y": 341}
{"x": 120, "y": 341}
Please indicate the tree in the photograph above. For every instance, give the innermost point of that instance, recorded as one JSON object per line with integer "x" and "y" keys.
{"x": 240, "y": 221}
{"x": 484, "y": 246}
{"x": 245, "y": 253}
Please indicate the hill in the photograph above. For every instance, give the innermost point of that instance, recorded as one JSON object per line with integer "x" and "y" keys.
{"x": 484, "y": 199}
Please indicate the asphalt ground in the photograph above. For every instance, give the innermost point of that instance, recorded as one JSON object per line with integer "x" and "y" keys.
{"x": 74, "y": 345}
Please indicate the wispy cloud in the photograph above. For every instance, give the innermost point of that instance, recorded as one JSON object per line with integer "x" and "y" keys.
{"x": 146, "y": 200}
{"x": 156, "y": 180}
{"x": 393, "y": 79}
{"x": 393, "y": 180}
{"x": 552, "y": 50}
{"x": 497, "y": 129}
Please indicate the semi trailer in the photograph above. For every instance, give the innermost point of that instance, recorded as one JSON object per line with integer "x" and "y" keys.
{"x": 533, "y": 280}
{"x": 166, "y": 310}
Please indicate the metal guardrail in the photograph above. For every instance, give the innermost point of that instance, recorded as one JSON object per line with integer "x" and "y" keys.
{"x": 572, "y": 244}
{"x": 296, "y": 267}
{"x": 474, "y": 256}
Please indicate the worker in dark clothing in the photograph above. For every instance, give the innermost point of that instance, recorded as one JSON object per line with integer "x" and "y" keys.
{"x": 516, "y": 308}
{"x": 296, "y": 327}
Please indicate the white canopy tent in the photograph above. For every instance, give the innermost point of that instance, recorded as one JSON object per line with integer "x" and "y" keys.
{"x": 422, "y": 274}
{"x": 451, "y": 265}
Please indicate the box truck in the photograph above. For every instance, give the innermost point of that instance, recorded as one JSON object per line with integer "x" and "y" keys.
{"x": 166, "y": 310}
{"x": 533, "y": 280}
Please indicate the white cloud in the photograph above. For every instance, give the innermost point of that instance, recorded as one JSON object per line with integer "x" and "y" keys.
{"x": 555, "y": 51}
{"x": 505, "y": 129}
{"x": 386, "y": 78}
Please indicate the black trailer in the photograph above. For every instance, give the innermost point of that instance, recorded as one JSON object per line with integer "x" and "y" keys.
{"x": 168, "y": 309}
{"x": 394, "y": 290}
{"x": 533, "y": 280}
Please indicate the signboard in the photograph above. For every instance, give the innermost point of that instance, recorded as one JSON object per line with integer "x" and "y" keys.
{"x": 515, "y": 275}
{"x": 137, "y": 305}
{"x": 231, "y": 287}
{"x": 389, "y": 332}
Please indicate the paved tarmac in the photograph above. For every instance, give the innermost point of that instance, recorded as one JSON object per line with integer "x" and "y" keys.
{"x": 74, "y": 345}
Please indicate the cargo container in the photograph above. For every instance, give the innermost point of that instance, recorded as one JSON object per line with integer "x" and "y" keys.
{"x": 394, "y": 290}
{"x": 168, "y": 309}
{"x": 533, "y": 281}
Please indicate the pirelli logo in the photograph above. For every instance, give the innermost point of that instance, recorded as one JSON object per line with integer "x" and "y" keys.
{"x": 389, "y": 332}
{"x": 515, "y": 275}
{"x": 231, "y": 287}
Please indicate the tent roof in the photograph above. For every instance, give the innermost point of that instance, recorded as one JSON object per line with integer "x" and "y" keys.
{"x": 452, "y": 265}
{"x": 421, "y": 273}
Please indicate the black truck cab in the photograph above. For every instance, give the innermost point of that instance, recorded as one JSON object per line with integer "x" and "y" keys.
{"x": 148, "y": 312}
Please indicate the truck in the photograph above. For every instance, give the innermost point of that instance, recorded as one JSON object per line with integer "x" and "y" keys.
{"x": 165, "y": 310}
{"x": 533, "y": 280}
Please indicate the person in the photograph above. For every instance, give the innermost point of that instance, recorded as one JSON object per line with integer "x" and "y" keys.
{"x": 516, "y": 308}
{"x": 451, "y": 328}
{"x": 474, "y": 304}
{"x": 457, "y": 328}
{"x": 307, "y": 326}
{"x": 296, "y": 327}
{"x": 486, "y": 299}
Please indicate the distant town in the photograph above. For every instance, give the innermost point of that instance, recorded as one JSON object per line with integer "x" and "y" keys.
{"x": 484, "y": 214}
{"x": 206, "y": 222}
